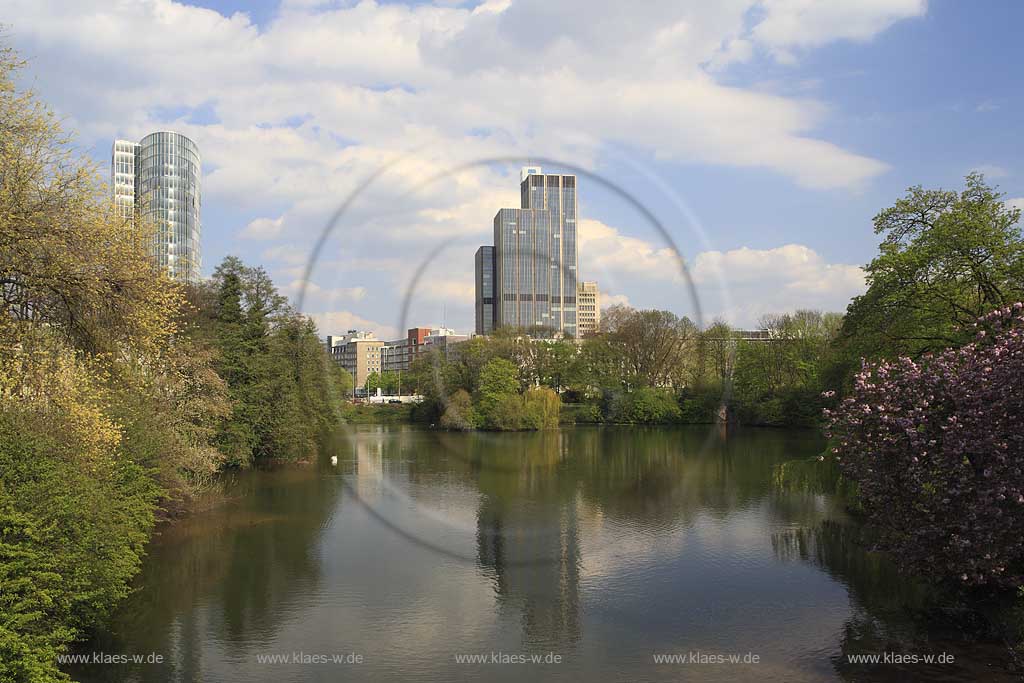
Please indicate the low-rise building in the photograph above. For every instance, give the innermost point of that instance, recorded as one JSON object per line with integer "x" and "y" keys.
{"x": 400, "y": 353}
{"x": 358, "y": 353}
{"x": 361, "y": 354}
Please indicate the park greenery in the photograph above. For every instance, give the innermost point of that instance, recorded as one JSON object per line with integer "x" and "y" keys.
{"x": 645, "y": 367}
{"x": 928, "y": 428}
{"x": 922, "y": 375}
{"x": 121, "y": 392}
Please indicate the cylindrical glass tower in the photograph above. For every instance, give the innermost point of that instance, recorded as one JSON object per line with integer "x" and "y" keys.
{"x": 167, "y": 176}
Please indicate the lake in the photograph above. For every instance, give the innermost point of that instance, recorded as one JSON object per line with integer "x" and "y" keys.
{"x": 584, "y": 554}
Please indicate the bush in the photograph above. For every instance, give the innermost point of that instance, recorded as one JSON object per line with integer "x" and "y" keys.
{"x": 699, "y": 406}
{"x": 75, "y": 514}
{"x": 499, "y": 405}
{"x": 646, "y": 406}
{"x": 459, "y": 413}
{"x": 506, "y": 414}
{"x": 581, "y": 413}
{"x": 541, "y": 408}
{"x": 935, "y": 449}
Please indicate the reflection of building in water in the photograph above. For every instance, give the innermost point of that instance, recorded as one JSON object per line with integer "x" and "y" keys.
{"x": 369, "y": 466}
{"x": 534, "y": 552}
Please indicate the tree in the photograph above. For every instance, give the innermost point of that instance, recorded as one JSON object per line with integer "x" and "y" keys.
{"x": 459, "y": 413}
{"x": 498, "y": 391}
{"x": 946, "y": 258}
{"x": 284, "y": 388}
{"x": 934, "y": 448}
{"x": 652, "y": 343}
{"x": 541, "y": 408}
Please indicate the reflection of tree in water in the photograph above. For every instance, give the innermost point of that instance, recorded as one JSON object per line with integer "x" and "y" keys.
{"x": 533, "y": 495}
{"x": 528, "y": 536}
{"x": 892, "y": 613}
{"x": 233, "y": 571}
{"x": 660, "y": 476}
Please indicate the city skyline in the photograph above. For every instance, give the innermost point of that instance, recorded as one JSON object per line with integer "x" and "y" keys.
{"x": 778, "y": 132}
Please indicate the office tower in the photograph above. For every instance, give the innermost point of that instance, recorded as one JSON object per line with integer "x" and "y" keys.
{"x": 535, "y": 256}
{"x": 588, "y": 309}
{"x": 484, "y": 290}
{"x": 157, "y": 180}
{"x": 552, "y": 197}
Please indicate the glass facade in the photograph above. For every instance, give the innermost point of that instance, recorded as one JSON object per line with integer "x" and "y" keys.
{"x": 122, "y": 177}
{"x": 163, "y": 172}
{"x": 485, "y": 290}
{"x": 535, "y": 255}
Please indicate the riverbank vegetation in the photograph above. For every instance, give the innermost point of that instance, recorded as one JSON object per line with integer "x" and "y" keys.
{"x": 121, "y": 391}
{"x": 928, "y": 431}
{"x": 646, "y": 367}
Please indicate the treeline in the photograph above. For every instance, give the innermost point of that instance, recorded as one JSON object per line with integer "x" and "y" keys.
{"x": 121, "y": 393}
{"x": 650, "y": 367}
{"x": 283, "y": 388}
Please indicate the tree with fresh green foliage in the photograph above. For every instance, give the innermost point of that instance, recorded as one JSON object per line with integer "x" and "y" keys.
{"x": 121, "y": 391}
{"x": 946, "y": 258}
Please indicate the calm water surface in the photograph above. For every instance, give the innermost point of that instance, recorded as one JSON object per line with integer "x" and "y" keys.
{"x": 603, "y": 546}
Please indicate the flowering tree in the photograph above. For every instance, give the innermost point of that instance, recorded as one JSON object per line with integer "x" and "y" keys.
{"x": 936, "y": 449}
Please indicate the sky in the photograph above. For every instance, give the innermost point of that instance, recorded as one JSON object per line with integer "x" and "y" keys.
{"x": 742, "y": 146}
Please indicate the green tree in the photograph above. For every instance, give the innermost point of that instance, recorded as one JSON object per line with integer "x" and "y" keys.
{"x": 498, "y": 394}
{"x": 946, "y": 258}
{"x": 459, "y": 413}
{"x": 541, "y": 408}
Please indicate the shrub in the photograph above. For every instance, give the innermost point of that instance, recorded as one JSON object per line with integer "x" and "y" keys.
{"x": 459, "y": 413}
{"x": 541, "y": 408}
{"x": 581, "y": 413}
{"x": 935, "y": 449}
{"x": 699, "y": 406}
{"x": 505, "y": 414}
{"x": 500, "y": 406}
{"x": 646, "y": 406}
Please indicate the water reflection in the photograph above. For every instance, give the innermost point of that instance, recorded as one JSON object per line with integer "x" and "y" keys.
{"x": 605, "y": 545}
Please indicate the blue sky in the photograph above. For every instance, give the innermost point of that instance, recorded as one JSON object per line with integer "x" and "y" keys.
{"x": 764, "y": 134}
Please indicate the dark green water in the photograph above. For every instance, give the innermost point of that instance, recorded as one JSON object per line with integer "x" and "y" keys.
{"x": 606, "y": 547}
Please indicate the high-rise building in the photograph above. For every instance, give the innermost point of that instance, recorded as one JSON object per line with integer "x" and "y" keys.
{"x": 122, "y": 177}
{"x": 157, "y": 180}
{"x": 484, "y": 271}
{"x": 588, "y": 309}
{"x": 535, "y": 255}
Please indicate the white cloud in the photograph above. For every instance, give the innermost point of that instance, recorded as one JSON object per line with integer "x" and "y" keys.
{"x": 1016, "y": 203}
{"x": 368, "y": 78}
{"x": 339, "y": 322}
{"x": 287, "y": 253}
{"x": 742, "y": 284}
{"x": 453, "y": 290}
{"x": 311, "y": 289}
{"x": 606, "y": 252}
{"x": 608, "y": 300}
{"x": 263, "y": 228}
{"x": 738, "y": 284}
{"x": 811, "y": 23}
{"x": 991, "y": 171}
{"x": 293, "y": 115}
